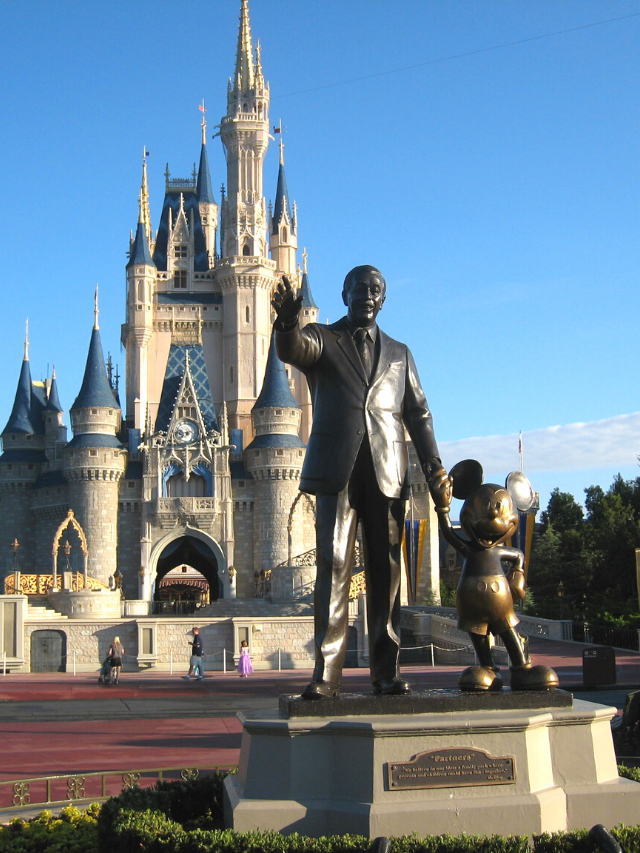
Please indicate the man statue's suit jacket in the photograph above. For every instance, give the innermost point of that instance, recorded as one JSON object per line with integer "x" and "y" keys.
{"x": 346, "y": 408}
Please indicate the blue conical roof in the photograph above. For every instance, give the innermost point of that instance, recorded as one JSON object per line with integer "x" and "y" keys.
{"x": 96, "y": 390}
{"x": 20, "y": 420}
{"x": 204, "y": 190}
{"x": 282, "y": 202}
{"x": 305, "y": 290}
{"x": 140, "y": 251}
{"x": 53, "y": 403}
{"x": 275, "y": 388}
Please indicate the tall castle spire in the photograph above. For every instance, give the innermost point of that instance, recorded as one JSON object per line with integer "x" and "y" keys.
{"x": 145, "y": 215}
{"x": 243, "y": 79}
{"x": 245, "y": 135}
{"x": 20, "y": 417}
{"x": 283, "y": 240}
{"x": 95, "y": 390}
{"x": 204, "y": 190}
{"x": 140, "y": 251}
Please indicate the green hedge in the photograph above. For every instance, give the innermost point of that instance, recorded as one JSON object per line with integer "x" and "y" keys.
{"x": 186, "y": 817}
{"x": 74, "y": 831}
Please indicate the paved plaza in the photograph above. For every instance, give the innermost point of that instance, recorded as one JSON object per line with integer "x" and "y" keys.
{"x": 65, "y": 724}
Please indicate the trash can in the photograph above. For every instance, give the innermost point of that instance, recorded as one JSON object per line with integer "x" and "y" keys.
{"x": 599, "y": 665}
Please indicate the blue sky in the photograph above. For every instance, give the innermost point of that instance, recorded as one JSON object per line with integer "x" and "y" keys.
{"x": 497, "y": 191}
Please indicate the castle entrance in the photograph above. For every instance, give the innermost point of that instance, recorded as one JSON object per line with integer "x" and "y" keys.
{"x": 186, "y": 575}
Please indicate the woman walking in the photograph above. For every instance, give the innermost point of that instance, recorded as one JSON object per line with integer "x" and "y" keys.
{"x": 116, "y": 653}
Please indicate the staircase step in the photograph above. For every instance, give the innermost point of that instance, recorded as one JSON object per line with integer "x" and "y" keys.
{"x": 45, "y": 614}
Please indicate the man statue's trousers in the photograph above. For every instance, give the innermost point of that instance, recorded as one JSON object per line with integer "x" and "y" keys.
{"x": 337, "y": 517}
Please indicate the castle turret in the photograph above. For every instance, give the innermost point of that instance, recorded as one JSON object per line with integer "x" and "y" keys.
{"x": 206, "y": 202}
{"x": 274, "y": 460}
{"x": 283, "y": 239}
{"x": 55, "y": 432}
{"x": 95, "y": 460}
{"x": 136, "y": 333}
{"x": 20, "y": 465}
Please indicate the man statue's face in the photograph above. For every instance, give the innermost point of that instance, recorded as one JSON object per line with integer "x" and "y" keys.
{"x": 364, "y": 299}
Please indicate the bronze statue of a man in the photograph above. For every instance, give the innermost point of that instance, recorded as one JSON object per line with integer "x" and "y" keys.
{"x": 364, "y": 389}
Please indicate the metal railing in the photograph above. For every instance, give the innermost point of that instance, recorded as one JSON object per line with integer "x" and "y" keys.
{"x": 173, "y": 608}
{"x": 605, "y": 635}
{"x": 83, "y": 787}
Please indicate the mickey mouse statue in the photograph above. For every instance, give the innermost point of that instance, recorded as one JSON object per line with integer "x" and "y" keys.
{"x": 485, "y": 594}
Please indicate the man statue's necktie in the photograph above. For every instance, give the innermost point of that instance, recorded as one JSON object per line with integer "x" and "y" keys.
{"x": 364, "y": 352}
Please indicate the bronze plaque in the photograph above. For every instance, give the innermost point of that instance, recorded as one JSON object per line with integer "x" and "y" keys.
{"x": 451, "y": 768}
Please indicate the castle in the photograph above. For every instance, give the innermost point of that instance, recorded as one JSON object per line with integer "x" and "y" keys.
{"x": 200, "y": 465}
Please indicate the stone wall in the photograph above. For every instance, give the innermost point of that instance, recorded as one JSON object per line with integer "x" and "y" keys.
{"x": 243, "y": 508}
{"x": 90, "y": 639}
{"x": 129, "y": 532}
{"x": 16, "y": 523}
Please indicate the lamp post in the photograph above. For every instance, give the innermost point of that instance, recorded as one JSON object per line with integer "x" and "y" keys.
{"x": 15, "y": 546}
{"x": 561, "y": 596}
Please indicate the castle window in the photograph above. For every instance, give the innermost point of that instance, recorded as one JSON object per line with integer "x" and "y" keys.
{"x": 278, "y": 411}
{"x": 10, "y": 468}
{"x": 279, "y": 452}
{"x": 131, "y": 485}
{"x": 231, "y": 374}
{"x": 180, "y": 279}
{"x": 284, "y": 234}
{"x": 180, "y": 251}
{"x": 240, "y": 484}
{"x": 94, "y": 411}
{"x": 28, "y": 438}
{"x": 194, "y": 487}
{"x": 247, "y": 314}
{"x": 299, "y": 453}
{"x": 245, "y": 250}
{"x": 256, "y": 453}
{"x": 93, "y": 453}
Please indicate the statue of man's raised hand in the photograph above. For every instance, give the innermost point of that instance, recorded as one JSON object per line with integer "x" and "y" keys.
{"x": 286, "y": 304}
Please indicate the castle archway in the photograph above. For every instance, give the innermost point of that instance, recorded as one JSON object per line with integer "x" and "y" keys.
{"x": 191, "y": 548}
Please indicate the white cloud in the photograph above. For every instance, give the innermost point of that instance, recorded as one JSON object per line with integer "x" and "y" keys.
{"x": 611, "y": 442}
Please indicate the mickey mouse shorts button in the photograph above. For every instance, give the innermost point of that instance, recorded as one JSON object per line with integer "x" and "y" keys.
{"x": 481, "y": 586}
{"x": 495, "y": 586}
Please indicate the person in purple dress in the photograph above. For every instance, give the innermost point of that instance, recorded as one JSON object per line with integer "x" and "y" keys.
{"x": 245, "y": 667}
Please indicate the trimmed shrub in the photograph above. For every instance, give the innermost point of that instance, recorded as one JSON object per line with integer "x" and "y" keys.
{"x": 74, "y": 831}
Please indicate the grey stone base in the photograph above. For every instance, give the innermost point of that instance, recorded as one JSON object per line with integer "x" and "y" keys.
{"x": 424, "y": 702}
{"x": 322, "y": 776}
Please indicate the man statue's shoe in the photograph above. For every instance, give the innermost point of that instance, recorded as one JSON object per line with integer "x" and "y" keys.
{"x": 320, "y": 690}
{"x": 391, "y": 687}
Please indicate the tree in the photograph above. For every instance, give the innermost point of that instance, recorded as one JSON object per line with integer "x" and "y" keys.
{"x": 593, "y": 556}
{"x": 563, "y": 512}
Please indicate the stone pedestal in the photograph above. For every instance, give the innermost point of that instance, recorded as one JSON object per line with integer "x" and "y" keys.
{"x": 328, "y": 775}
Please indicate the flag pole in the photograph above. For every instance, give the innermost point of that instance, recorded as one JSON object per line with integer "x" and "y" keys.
{"x": 521, "y": 453}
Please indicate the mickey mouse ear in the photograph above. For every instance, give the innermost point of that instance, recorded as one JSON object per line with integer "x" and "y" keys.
{"x": 520, "y": 490}
{"x": 467, "y": 477}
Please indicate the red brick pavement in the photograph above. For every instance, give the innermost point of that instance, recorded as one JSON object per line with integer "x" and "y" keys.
{"x": 31, "y": 747}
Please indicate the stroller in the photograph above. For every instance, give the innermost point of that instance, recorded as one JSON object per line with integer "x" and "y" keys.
{"x": 105, "y": 671}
